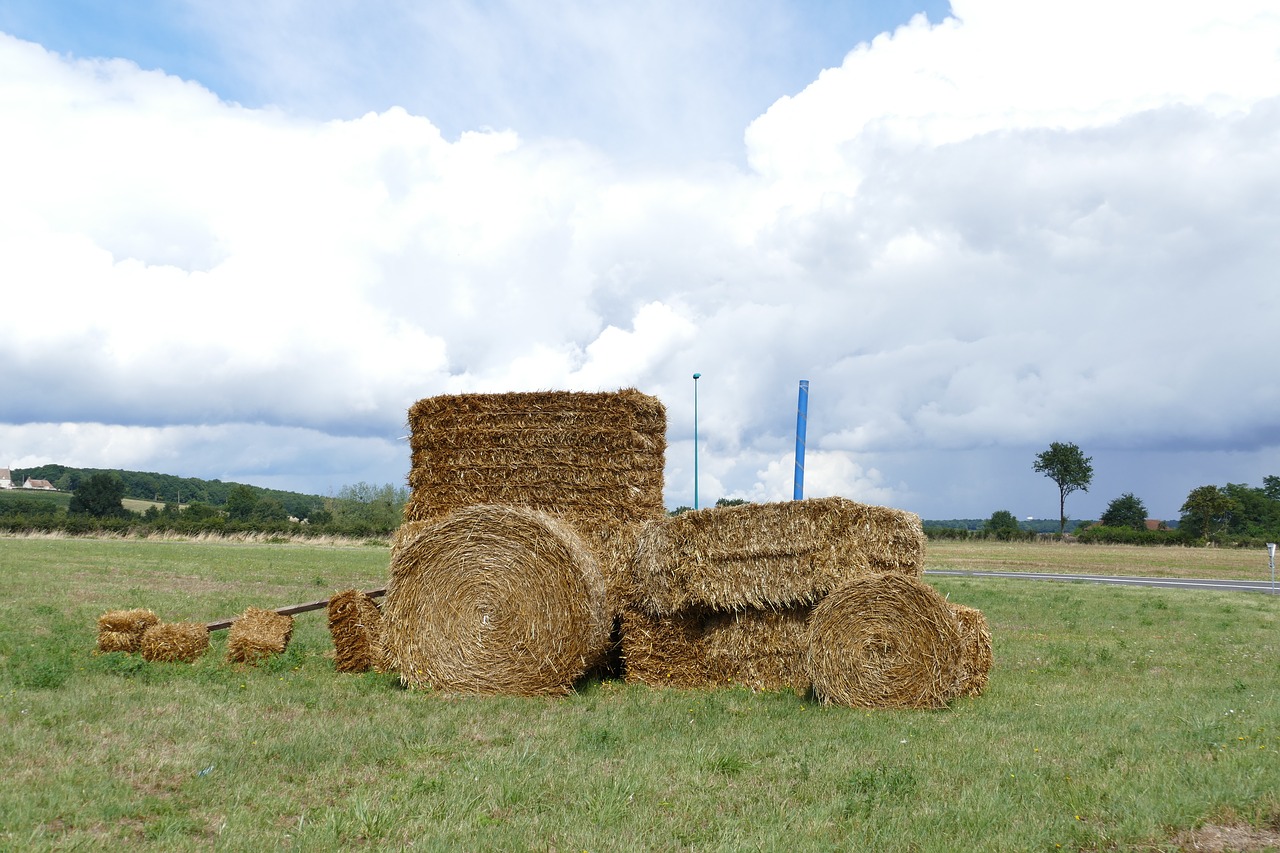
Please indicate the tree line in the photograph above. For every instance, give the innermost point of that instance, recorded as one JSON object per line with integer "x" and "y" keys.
{"x": 167, "y": 488}
{"x": 1234, "y": 514}
{"x": 97, "y": 504}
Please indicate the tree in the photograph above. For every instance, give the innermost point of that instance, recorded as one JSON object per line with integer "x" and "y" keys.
{"x": 1125, "y": 511}
{"x": 1206, "y": 511}
{"x": 320, "y": 516}
{"x": 730, "y": 502}
{"x": 242, "y": 503}
{"x": 1271, "y": 487}
{"x": 1070, "y": 469}
{"x": 197, "y": 512}
{"x": 367, "y": 505}
{"x": 1002, "y": 523}
{"x": 100, "y": 495}
{"x": 270, "y": 509}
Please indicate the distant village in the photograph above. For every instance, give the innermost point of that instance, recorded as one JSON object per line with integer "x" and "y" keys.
{"x": 6, "y": 482}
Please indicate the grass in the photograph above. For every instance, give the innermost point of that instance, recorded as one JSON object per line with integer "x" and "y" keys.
{"x": 1130, "y": 560}
{"x": 1115, "y": 718}
{"x": 63, "y": 499}
{"x": 26, "y": 496}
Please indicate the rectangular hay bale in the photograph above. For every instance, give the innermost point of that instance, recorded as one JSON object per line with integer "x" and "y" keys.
{"x": 773, "y": 555}
{"x": 258, "y": 634}
{"x": 174, "y": 642}
{"x": 355, "y": 624}
{"x": 121, "y": 630}
{"x": 699, "y": 648}
{"x": 567, "y": 453}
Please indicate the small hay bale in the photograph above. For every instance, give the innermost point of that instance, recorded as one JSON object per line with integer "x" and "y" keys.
{"x": 258, "y": 634}
{"x": 355, "y": 624}
{"x": 701, "y": 648}
{"x": 495, "y": 600}
{"x": 769, "y": 556}
{"x": 975, "y": 650}
{"x": 174, "y": 642}
{"x": 121, "y": 630}
{"x": 883, "y": 641}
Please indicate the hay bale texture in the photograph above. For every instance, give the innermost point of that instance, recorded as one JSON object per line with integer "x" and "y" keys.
{"x": 701, "y": 648}
{"x": 593, "y": 460}
{"x": 121, "y": 630}
{"x": 258, "y": 634}
{"x": 174, "y": 642}
{"x": 975, "y": 650}
{"x": 769, "y": 556}
{"x": 884, "y": 641}
{"x": 495, "y": 599}
{"x": 355, "y": 624}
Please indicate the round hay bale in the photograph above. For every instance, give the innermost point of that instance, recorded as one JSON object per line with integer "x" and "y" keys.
{"x": 175, "y": 641}
{"x": 497, "y": 600}
{"x": 883, "y": 641}
{"x": 975, "y": 650}
{"x": 121, "y": 630}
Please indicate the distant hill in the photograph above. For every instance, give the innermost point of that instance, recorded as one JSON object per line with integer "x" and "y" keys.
{"x": 166, "y": 488}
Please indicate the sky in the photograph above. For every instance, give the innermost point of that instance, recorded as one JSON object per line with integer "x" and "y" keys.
{"x": 239, "y": 239}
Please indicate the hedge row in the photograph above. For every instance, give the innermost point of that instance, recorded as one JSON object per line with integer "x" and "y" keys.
{"x": 84, "y": 525}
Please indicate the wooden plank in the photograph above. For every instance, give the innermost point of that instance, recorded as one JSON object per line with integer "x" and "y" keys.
{"x": 290, "y": 610}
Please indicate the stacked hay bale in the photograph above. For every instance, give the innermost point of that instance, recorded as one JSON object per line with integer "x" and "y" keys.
{"x": 699, "y": 648}
{"x": 121, "y": 630}
{"x": 258, "y": 634}
{"x": 722, "y": 595}
{"x": 495, "y": 599}
{"x": 593, "y": 460}
{"x": 355, "y": 625}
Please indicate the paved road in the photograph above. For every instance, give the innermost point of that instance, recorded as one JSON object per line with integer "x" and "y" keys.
{"x": 1171, "y": 583}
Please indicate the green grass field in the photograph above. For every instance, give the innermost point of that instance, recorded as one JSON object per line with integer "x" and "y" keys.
{"x": 1116, "y": 719}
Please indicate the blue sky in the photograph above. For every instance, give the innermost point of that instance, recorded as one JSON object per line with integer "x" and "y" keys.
{"x": 612, "y": 75}
{"x": 240, "y": 238}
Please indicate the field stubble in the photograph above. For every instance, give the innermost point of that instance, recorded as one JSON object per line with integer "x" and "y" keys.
{"x": 1116, "y": 718}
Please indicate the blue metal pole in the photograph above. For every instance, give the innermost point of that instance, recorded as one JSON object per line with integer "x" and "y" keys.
{"x": 802, "y": 418}
{"x": 696, "y": 377}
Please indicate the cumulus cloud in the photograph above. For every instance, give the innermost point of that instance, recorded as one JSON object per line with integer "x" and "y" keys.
{"x": 974, "y": 236}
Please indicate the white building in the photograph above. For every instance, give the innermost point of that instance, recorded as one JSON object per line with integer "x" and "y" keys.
{"x": 6, "y": 478}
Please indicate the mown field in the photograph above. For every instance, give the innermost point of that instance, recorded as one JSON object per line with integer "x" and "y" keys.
{"x": 63, "y": 499}
{"x": 1128, "y": 560}
{"x": 1116, "y": 718}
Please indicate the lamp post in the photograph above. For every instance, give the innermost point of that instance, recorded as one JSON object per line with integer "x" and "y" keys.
{"x": 696, "y": 377}
{"x": 1271, "y": 558}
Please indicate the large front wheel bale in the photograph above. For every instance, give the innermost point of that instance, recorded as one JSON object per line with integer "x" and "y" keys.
{"x": 884, "y": 641}
{"x": 495, "y": 599}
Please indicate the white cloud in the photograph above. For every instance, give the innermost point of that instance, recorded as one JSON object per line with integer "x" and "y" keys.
{"x": 971, "y": 239}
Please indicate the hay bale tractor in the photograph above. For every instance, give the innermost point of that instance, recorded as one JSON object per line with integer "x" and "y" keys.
{"x": 536, "y": 548}
{"x": 536, "y": 540}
